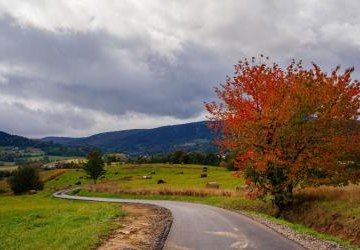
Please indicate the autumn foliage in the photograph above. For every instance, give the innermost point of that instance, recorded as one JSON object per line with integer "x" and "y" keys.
{"x": 289, "y": 128}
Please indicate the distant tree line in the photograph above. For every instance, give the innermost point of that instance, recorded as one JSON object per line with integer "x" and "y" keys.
{"x": 181, "y": 157}
{"x": 61, "y": 150}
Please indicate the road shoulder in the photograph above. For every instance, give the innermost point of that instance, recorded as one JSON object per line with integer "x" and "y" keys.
{"x": 307, "y": 241}
{"x": 144, "y": 227}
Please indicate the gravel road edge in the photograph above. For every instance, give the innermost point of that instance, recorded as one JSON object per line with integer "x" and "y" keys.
{"x": 307, "y": 241}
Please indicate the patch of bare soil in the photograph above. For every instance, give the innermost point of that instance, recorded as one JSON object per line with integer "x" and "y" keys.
{"x": 144, "y": 227}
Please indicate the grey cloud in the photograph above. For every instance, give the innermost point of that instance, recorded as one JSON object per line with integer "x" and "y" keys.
{"x": 74, "y": 68}
{"x": 100, "y": 70}
{"x": 18, "y": 119}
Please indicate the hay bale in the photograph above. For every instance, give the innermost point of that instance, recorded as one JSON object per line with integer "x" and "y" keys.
{"x": 203, "y": 175}
{"x": 213, "y": 184}
{"x": 32, "y": 191}
{"x": 161, "y": 181}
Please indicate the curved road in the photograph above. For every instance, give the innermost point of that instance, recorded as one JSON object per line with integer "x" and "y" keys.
{"x": 202, "y": 227}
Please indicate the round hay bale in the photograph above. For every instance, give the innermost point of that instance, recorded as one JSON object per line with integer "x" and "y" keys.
{"x": 213, "y": 184}
{"x": 32, "y": 191}
{"x": 203, "y": 175}
{"x": 161, "y": 181}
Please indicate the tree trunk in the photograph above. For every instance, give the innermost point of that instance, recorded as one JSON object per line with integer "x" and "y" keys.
{"x": 284, "y": 200}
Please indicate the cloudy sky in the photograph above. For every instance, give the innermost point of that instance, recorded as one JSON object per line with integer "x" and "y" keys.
{"x": 78, "y": 67}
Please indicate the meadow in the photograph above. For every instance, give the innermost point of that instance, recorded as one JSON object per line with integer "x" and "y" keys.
{"x": 41, "y": 222}
{"x": 332, "y": 213}
{"x": 175, "y": 175}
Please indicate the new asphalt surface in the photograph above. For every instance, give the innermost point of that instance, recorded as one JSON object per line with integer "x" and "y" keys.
{"x": 203, "y": 227}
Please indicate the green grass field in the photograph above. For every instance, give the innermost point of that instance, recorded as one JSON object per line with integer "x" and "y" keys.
{"x": 170, "y": 173}
{"x": 60, "y": 158}
{"x": 41, "y": 222}
{"x": 125, "y": 176}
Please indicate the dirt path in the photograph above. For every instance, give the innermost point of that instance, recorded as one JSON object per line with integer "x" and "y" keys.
{"x": 144, "y": 227}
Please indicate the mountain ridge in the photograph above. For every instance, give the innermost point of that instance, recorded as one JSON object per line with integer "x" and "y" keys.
{"x": 193, "y": 136}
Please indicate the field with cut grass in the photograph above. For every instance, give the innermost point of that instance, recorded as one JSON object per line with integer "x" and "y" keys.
{"x": 8, "y": 166}
{"x": 175, "y": 175}
{"x": 180, "y": 180}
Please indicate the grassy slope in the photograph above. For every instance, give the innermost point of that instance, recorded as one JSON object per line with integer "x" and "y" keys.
{"x": 42, "y": 222}
{"x": 334, "y": 210}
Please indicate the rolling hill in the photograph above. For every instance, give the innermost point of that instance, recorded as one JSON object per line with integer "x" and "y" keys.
{"x": 187, "y": 137}
{"x": 50, "y": 148}
{"x": 17, "y": 141}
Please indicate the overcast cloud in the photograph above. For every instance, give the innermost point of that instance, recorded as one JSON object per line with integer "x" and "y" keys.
{"x": 75, "y": 68}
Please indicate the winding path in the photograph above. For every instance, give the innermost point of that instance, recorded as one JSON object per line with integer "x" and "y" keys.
{"x": 202, "y": 227}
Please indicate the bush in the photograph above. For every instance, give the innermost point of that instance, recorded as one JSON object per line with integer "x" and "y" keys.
{"x": 24, "y": 179}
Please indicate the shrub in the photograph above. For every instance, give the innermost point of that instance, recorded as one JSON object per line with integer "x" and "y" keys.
{"x": 24, "y": 179}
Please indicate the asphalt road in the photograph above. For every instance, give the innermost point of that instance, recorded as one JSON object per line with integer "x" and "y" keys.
{"x": 202, "y": 227}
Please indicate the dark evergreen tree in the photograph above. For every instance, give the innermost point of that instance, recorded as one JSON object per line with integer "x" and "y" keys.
{"x": 95, "y": 165}
{"x": 24, "y": 179}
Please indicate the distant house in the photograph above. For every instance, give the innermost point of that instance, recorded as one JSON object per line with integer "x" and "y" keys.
{"x": 49, "y": 167}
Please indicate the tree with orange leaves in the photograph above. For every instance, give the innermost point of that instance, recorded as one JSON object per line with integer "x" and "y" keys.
{"x": 288, "y": 128}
